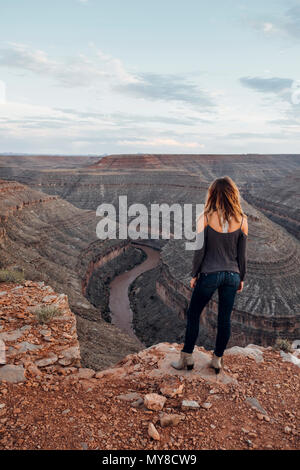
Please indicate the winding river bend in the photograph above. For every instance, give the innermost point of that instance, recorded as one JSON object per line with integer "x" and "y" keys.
{"x": 119, "y": 305}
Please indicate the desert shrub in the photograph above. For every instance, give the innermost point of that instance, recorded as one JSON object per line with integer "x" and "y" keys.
{"x": 45, "y": 313}
{"x": 8, "y": 275}
{"x": 283, "y": 344}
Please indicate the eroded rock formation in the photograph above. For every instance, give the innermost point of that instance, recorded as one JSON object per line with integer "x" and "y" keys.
{"x": 53, "y": 241}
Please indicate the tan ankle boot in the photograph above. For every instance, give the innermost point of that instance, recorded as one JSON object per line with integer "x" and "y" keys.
{"x": 216, "y": 363}
{"x": 185, "y": 362}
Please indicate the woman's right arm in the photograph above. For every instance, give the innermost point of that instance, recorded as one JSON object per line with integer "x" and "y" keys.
{"x": 198, "y": 254}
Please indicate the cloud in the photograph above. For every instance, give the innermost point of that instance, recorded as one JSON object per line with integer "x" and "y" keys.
{"x": 285, "y": 122}
{"x": 2, "y": 92}
{"x": 285, "y": 90}
{"x": 287, "y": 93}
{"x": 267, "y": 85}
{"x": 267, "y": 27}
{"x": 287, "y": 25}
{"x": 87, "y": 120}
{"x": 157, "y": 142}
{"x": 289, "y": 118}
{"x": 168, "y": 87}
{"x": 37, "y": 129}
{"x": 136, "y": 119}
{"x": 255, "y": 135}
{"x": 100, "y": 70}
{"x": 291, "y": 25}
{"x": 69, "y": 72}
{"x": 52, "y": 128}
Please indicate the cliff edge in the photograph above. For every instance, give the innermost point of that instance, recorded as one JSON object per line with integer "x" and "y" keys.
{"x": 48, "y": 401}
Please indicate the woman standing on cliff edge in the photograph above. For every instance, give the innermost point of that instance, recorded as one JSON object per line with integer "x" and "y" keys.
{"x": 220, "y": 264}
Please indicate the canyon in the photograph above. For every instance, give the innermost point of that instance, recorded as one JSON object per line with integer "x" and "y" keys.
{"x": 48, "y": 222}
{"x": 53, "y": 241}
{"x": 119, "y": 304}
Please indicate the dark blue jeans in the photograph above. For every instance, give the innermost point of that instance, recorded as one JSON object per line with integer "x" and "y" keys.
{"x": 227, "y": 283}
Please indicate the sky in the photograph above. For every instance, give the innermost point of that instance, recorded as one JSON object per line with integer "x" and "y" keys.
{"x": 139, "y": 76}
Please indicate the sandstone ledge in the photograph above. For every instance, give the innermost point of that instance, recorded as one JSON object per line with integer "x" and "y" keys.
{"x": 28, "y": 343}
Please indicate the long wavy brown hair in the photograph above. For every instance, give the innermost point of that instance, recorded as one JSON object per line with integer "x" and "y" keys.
{"x": 223, "y": 197}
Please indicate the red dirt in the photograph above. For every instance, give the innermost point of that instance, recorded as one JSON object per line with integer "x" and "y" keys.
{"x": 58, "y": 410}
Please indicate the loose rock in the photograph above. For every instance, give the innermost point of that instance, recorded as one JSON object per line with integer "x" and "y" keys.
{"x": 12, "y": 373}
{"x": 171, "y": 387}
{"x": 170, "y": 420}
{"x": 129, "y": 396}
{"x": 155, "y": 402}
{"x": 254, "y": 403}
{"x": 70, "y": 356}
{"x": 51, "y": 359}
{"x": 206, "y": 405}
{"x": 152, "y": 431}
{"x": 2, "y": 352}
{"x": 85, "y": 373}
{"x": 189, "y": 405}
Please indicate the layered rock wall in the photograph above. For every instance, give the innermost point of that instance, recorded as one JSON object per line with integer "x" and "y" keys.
{"x": 53, "y": 241}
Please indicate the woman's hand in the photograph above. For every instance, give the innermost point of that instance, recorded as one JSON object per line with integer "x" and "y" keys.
{"x": 241, "y": 286}
{"x": 193, "y": 282}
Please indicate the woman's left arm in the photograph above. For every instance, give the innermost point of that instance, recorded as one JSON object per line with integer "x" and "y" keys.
{"x": 198, "y": 254}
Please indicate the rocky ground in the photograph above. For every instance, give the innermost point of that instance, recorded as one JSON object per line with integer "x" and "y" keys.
{"x": 48, "y": 401}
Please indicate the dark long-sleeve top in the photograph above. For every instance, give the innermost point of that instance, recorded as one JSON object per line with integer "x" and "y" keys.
{"x": 221, "y": 252}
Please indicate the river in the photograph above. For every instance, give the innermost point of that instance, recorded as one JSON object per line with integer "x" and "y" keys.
{"x": 119, "y": 305}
